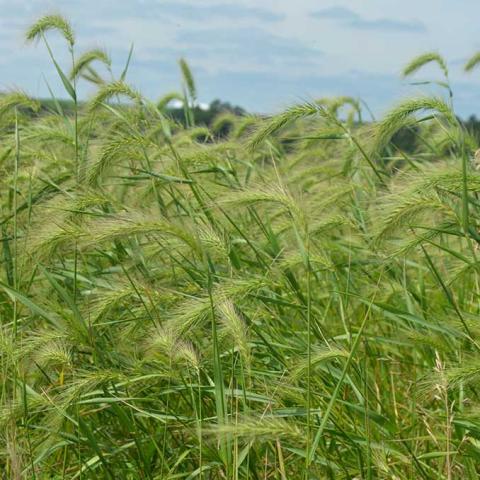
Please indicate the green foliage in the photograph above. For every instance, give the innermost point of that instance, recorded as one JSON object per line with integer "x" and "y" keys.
{"x": 288, "y": 297}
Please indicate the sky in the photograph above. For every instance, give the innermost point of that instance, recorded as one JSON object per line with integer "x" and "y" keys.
{"x": 262, "y": 55}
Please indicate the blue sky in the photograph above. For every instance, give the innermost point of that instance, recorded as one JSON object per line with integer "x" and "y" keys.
{"x": 263, "y": 55}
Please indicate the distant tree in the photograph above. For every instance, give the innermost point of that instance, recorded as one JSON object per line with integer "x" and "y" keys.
{"x": 206, "y": 116}
{"x": 473, "y": 126}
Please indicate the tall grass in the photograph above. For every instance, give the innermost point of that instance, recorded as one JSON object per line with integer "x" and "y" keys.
{"x": 297, "y": 300}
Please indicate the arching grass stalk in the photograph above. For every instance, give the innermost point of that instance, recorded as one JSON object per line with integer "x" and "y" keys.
{"x": 419, "y": 62}
{"x": 307, "y": 110}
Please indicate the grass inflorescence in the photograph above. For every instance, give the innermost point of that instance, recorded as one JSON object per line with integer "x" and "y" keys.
{"x": 295, "y": 298}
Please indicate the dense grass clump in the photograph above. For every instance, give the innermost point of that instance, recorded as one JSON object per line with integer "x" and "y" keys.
{"x": 296, "y": 299}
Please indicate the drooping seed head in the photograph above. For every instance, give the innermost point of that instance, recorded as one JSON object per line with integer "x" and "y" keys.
{"x": 51, "y": 22}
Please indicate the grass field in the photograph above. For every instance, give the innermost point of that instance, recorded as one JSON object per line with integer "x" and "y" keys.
{"x": 298, "y": 299}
